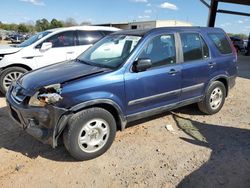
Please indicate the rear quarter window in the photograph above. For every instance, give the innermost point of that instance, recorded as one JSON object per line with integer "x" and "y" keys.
{"x": 221, "y": 42}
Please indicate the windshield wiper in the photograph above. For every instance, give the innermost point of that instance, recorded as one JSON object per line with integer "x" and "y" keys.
{"x": 94, "y": 64}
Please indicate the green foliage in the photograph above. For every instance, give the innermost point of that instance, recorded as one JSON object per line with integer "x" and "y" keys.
{"x": 9, "y": 27}
{"x": 56, "y": 23}
{"x": 22, "y": 28}
{"x": 240, "y": 35}
{"x": 40, "y": 25}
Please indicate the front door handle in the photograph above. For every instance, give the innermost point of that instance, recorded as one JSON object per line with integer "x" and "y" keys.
{"x": 70, "y": 52}
{"x": 173, "y": 72}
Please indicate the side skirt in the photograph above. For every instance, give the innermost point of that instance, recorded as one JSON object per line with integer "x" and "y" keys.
{"x": 159, "y": 110}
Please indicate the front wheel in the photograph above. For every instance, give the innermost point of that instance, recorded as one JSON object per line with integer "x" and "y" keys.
{"x": 214, "y": 98}
{"x": 90, "y": 133}
{"x": 8, "y": 76}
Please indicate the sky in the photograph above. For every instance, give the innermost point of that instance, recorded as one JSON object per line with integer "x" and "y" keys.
{"x": 106, "y": 11}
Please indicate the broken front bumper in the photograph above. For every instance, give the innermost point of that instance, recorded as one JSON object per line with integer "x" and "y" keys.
{"x": 44, "y": 123}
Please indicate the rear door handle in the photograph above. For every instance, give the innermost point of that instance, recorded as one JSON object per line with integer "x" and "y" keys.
{"x": 211, "y": 64}
{"x": 70, "y": 52}
{"x": 173, "y": 72}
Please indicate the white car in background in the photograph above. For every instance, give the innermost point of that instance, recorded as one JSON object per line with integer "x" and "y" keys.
{"x": 46, "y": 48}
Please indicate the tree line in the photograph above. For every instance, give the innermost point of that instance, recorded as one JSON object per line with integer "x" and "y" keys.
{"x": 44, "y": 24}
{"x": 241, "y": 35}
{"x": 40, "y": 25}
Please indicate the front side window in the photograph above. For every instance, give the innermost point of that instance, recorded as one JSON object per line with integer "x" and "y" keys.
{"x": 111, "y": 51}
{"x": 194, "y": 47}
{"x": 64, "y": 39}
{"x": 160, "y": 50}
{"x": 221, "y": 42}
{"x": 33, "y": 39}
{"x": 88, "y": 37}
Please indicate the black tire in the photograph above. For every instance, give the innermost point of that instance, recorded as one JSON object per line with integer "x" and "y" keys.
{"x": 7, "y": 72}
{"x": 76, "y": 127}
{"x": 206, "y": 105}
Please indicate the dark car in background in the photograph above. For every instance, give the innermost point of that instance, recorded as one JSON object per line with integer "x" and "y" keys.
{"x": 238, "y": 44}
{"x": 126, "y": 76}
{"x": 17, "y": 38}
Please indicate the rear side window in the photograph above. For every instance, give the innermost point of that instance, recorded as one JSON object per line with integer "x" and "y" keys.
{"x": 194, "y": 47}
{"x": 221, "y": 42}
{"x": 88, "y": 37}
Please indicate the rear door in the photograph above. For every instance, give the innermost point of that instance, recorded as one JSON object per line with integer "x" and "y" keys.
{"x": 161, "y": 84}
{"x": 196, "y": 65}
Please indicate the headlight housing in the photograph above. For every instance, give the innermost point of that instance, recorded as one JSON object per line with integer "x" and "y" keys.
{"x": 47, "y": 95}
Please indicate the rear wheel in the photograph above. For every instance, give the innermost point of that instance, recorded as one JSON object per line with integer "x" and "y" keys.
{"x": 8, "y": 76}
{"x": 90, "y": 133}
{"x": 214, "y": 98}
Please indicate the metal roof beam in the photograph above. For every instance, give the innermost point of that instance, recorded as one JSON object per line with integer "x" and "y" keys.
{"x": 233, "y": 12}
{"x": 241, "y": 2}
{"x": 205, "y": 3}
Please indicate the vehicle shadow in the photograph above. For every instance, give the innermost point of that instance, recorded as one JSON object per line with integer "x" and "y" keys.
{"x": 229, "y": 163}
{"x": 244, "y": 66}
{"x": 15, "y": 139}
{"x": 191, "y": 109}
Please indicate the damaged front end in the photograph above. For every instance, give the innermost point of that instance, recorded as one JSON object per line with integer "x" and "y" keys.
{"x": 38, "y": 115}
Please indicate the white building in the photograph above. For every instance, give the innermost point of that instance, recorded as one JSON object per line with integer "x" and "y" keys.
{"x": 147, "y": 24}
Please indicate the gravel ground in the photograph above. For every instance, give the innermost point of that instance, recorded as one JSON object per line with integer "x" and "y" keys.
{"x": 202, "y": 151}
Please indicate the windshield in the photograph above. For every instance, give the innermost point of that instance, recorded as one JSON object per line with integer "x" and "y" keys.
{"x": 33, "y": 39}
{"x": 110, "y": 52}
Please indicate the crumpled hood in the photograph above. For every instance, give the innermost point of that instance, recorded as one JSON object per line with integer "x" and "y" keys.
{"x": 7, "y": 49}
{"x": 58, "y": 73}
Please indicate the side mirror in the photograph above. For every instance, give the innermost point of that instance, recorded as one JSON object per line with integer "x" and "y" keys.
{"x": 46, "y": 46}
{"x": 142, "y": 65}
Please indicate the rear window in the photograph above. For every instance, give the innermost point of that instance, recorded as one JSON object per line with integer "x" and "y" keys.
{"x": 221, "y": 42}
{"x": 88, "y": 37}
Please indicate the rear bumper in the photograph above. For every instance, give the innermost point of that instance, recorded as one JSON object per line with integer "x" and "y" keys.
{"x": 43, "y": 123}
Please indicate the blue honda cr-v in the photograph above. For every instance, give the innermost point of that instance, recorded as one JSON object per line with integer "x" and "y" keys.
{"x": 124, "y": 77}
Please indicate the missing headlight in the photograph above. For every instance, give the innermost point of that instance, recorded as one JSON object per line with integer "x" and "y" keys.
{"x": 47, "y": 95}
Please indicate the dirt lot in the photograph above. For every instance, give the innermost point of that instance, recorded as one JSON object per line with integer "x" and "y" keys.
{"x": 203, "y": 151}
{"x": 4, "y": 42}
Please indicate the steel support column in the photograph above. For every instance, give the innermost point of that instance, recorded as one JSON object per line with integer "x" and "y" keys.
{"x": 212, "y": 13}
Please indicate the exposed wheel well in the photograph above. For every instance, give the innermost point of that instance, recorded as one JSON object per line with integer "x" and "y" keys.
{"x": 224, "y": 81}
{"x": 105, "y": 106}
{"x": 19, "y": 65}
{"x": 112, "y": 110}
